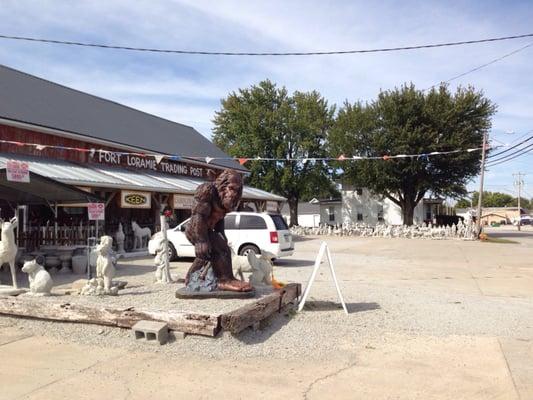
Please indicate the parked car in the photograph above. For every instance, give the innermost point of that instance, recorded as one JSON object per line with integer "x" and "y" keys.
{"x": 247, "y": 232}
{"x": 524, "y": 220}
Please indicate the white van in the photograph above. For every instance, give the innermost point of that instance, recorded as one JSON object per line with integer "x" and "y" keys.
{"x": 246, "y": 232}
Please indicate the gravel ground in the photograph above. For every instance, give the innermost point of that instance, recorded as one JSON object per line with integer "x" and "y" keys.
{"x": 392, "y": 287}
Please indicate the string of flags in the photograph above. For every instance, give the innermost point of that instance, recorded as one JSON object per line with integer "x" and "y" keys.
{"x": 241, "y": 160}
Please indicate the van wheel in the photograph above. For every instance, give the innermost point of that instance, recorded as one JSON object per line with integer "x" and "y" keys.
{"x": 249, "y": 248}
{"x": 172, "y": 254}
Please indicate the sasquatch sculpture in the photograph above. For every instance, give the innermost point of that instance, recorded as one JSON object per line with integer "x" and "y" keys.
{"x": 212, "y": 201}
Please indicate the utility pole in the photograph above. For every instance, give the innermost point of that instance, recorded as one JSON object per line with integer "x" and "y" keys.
{"x": 519, "y": 182}
{"x": 480, "y": 199}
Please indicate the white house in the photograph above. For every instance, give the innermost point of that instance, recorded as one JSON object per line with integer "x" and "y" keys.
{"x": 359, "y": 205}
{"x": 308, "y": 213}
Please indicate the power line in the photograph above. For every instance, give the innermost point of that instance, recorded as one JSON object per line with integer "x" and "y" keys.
{"x": 483, "y": 65}
{"x": 512, "y": 147}
{"x": 229, "y": 53}
{"x": 511, "y": 156}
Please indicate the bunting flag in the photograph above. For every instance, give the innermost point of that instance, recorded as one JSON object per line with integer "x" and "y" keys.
{"x": 242, "y": 160}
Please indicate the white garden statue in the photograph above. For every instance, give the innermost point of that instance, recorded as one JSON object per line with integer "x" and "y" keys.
{"x": 158, "y": 246}
{"x": 120, "y": 237}
{"x": 41, "y": 282}
{"x": 105, "y": 270}
{"x": 8, "y": 247}
{"x": 261, "y": 268}
{"x": 141, "y": 235}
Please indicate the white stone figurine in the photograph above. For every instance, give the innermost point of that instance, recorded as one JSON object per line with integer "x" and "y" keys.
{"x": 261, "y": 269}
{"x": 41, "y": 282}
{"x": 8, "y": 247}
{"x": 120, "y": 237}
{"x": 157, "y": 246}
{"x": 142, "y": 236}
{"x": 105, "y": 270}
{"x": 239, "y": 264}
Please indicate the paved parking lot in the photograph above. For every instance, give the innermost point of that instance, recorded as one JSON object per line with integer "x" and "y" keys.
{"x": 428, "y": 320}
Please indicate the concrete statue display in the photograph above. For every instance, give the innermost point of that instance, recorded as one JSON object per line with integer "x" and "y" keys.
{"x": 141, "y": 236}
{"x": 212, "y": 269}
{"x": 8, "y": 247}
{"x": 105, "y": 270}
{"x": 41, "y": 282}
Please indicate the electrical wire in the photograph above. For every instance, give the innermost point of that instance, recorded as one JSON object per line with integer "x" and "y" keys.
{"x": 511, "y": 156}
{"x": 510, "y": 148}
{"x": 300, "y": 53}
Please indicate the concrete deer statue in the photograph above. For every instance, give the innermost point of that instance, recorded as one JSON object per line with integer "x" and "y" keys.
{"x": 8, "y": 247}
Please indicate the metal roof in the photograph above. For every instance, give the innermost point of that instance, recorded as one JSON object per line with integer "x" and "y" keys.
{"x": 39, "y": 102}
{"x": 120, "y": 178}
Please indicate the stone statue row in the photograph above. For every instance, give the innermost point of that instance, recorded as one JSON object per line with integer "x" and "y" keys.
{"x": 462, "y": 231}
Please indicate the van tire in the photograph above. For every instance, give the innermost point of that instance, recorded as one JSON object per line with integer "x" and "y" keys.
{"x": 249, "y": 248}
{"x": 172, "y": 254}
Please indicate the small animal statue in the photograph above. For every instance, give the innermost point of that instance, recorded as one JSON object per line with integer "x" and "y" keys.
{"x": 142, "y": 236}
{"x": 239, "y": 264}
{"x": 261, "y": 269}
{"x": 40, "y": 280}
{"x": 157, "y": 246}
{"x": 120, "y": 237}
{"x": 8, "y": 247}
{"x": 105, "y": 266}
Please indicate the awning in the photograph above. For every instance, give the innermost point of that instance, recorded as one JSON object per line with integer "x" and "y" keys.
{"x": 41, "y": 190}
{"x": 102, "y": 176}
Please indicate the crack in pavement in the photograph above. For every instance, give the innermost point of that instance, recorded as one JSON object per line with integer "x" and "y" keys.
{"x": 330, "y": 375}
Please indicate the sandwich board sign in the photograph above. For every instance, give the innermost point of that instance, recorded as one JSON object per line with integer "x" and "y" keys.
{"x": 324, "y": 249}
{"x": 96, "y": 211}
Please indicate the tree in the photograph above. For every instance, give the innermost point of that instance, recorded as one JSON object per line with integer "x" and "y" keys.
{"x": 494, "y": 199}
{"x": 410, "y": 121}
{"x": 264, "y": 121}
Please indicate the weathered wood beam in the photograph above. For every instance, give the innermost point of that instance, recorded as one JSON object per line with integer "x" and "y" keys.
{"x": 199, "y": 324}
{"x": 238, "y": 320}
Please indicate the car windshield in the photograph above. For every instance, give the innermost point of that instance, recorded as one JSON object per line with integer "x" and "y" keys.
{"x": 279, "y": 222}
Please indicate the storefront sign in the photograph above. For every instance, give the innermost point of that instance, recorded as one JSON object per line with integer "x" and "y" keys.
{"x": 18, "y": 171}
{"x": 139, "y": 162}
{"x": 129, "y": 199}
{"x": 96, "y": 211}
{"x": 272, "y": 206}
{"x": 182, "y": 202}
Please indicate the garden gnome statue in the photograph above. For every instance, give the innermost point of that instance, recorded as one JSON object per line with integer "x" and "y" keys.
{"x": 8, "y": 247}
{"x": 212, "y": 201}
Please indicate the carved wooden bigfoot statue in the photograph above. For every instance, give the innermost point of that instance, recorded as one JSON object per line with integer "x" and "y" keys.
{"x": 212, "y": 201}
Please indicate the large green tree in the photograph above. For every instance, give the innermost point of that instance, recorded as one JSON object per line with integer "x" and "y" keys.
{"x": 265, "y": 121}
{"x": 493, "y": 199}
{"x": 410, "y": 121}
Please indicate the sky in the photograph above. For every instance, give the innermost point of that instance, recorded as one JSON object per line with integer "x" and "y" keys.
{"x": 188, "y": 88}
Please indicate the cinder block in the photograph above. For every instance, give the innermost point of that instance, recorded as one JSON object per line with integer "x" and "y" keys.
{"x": 151, "y": 331}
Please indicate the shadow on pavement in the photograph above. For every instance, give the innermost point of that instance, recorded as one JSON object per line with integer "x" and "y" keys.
{"x": 293, "y": 263}
{"x": 319, "y": 305}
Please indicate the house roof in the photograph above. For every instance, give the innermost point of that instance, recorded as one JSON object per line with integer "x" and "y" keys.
{"x": 41, "y": 103}
{"x": 304, "y": 208}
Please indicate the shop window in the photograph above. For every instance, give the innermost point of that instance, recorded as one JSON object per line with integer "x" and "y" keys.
{"x": 359, "y": 217}
{"x": 331, "y": 214}
{"x": 380, "y": 213}
{"x": 252, "y": 222}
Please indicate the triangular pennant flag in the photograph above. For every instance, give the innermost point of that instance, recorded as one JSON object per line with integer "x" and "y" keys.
{"x": 91, "y": 152}
{"x": 158, "y": 157}
{"x": 357, "y": 158}
{"x": 386, "y": 157}
{"x": 341, "y": 157}
{"x": 209, "y": 159}
{"x": 242, "y": 161}
{"x": 175, "y": 158}
{"x": 304, "y": 160}
{"x": 40, "y": 147}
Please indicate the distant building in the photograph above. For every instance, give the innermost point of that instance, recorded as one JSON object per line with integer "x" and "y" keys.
{"x": 308, "y": 213}
{"x": 359, "y": 205}
{"x": 493, "y": 215}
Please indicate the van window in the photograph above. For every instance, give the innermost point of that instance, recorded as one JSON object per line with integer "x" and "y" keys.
{"x": 230, "y": 222}
{"x": 279, "y": 222}
{"x": 252, "y": 222}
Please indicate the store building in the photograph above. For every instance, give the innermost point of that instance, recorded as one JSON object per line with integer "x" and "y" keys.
{"x": 136, "y": 163}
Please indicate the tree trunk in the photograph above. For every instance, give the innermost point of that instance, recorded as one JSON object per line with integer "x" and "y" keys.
{"x": 293, "y": 207}
{"x": 408, "y": 210}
